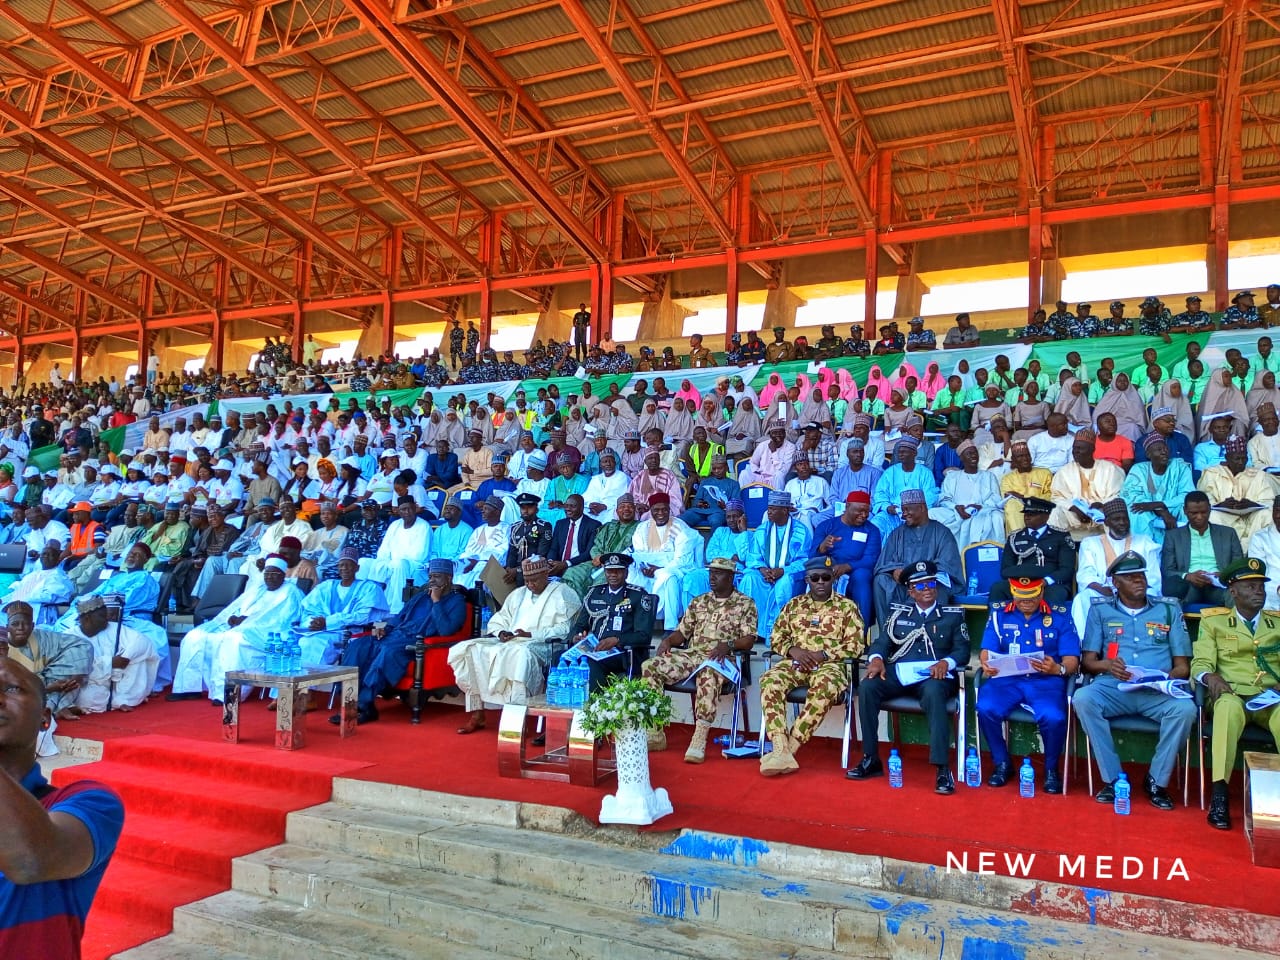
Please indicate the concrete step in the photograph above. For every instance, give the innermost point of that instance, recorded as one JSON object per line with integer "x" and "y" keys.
{"x": 817, "y": 900}
{"x": 171, "y": 948}
{"x": 515, "y": 920}
{"x": 267, "y": 929}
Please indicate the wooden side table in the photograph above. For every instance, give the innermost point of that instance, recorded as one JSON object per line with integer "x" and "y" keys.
{"x": 291, "y": 705}
{"x": 570, "y": 755}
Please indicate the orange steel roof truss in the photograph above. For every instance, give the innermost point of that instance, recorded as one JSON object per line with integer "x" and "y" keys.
{"x": 169, "y": 159}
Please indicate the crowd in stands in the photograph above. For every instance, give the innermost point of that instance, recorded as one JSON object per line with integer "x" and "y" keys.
{"x": 817, "y": 509}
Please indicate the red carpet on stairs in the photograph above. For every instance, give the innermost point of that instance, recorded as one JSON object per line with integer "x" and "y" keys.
{"x": 194, "y": 802}
{"x": 191, "y": 807}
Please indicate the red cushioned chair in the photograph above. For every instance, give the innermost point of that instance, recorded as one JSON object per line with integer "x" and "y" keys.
{"x": 429, "y": 675}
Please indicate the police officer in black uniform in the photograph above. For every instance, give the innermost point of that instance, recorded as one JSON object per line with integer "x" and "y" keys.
{"x": 621, "y": 617}
{"x": 1037, "y": 552}
{"x": 530, "y": 537}
{"x": 922, "y": 649}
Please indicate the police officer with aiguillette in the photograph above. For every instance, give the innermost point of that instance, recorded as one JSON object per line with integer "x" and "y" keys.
{"x": 921, "y": 648}
{"x": 621, "y": 617}
{"x": 1040, "y": 552}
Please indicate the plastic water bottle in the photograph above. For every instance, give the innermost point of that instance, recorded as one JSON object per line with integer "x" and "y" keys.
{"x": 1122, "y": 795}
{"x": 293, "y": 656}
{"x": 584, "y": 683}
{"x": 173, "y": 605}
{"x": 273, "y": 653}
{"x": 485, "y": 616}
{"x": 895, "y": 769}
{"x": 553, "y": 686}
{"x": 1026, "y": 779}
{"x": 972, "y": 769}
{"x": 973, "y": 584}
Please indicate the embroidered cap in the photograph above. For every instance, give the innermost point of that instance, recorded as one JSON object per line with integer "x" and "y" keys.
{"x": 780, "y": 498}
{"x": 911, "y": 496}
{"x": 1026, "y": 588}
{"x": 440, "y": 565}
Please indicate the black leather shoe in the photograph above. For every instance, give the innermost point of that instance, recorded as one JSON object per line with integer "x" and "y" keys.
{"x": 1160, "y": 798}
{"x": 867, "y": 768}
{"x": 172, "y": 697}
{"x": 1107, "y": 794}
{"x": 1053, "y": 782}
{"x": 1219, "y": 810}
{"x": 1001, "y": 775}
{"x": 363, "y": 715}
{"x": 946, "y": 783}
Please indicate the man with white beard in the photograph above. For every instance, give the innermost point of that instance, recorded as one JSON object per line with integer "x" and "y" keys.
{"x": 664, "y": 548}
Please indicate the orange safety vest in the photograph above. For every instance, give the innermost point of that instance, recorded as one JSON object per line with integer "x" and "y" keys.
{"x": 82, "y": 538}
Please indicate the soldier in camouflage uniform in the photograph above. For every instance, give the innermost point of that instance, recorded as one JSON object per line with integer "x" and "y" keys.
{"x": 813, "y": 632}
{"x": 714, "y": 624}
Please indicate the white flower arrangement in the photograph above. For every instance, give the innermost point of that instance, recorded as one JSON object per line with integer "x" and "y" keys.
{"x": 626, "y": 703}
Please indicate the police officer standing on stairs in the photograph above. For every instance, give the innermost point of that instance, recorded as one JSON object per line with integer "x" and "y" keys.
{"x": 1236, "y": 657}
{"x": 1028, "y": 625}
{"x": 921, "y": 649}
{"x": 621, "y": 616}
{"x": 1132, "y": 629}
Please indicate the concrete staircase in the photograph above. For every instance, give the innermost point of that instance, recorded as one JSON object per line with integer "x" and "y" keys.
{"x": 384, "y": 871}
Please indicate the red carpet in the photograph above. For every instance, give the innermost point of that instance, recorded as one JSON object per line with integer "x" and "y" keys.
{"x": 190, "y": 808}
{"x": 252, "y": 786}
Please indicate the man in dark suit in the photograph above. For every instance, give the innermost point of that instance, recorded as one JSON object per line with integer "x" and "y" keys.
{"x": 921, "y": 649}
{"x": 1037, "y": 552}
{"x": 1193, "y": 555}
{"x": 572, "y": 537}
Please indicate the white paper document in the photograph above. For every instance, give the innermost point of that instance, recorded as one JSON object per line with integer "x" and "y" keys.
{"x": 1263, "y": 700}
{"x": 913, "y": 671}
{"x": 1014, "y": 664}
{"x": 1157, "y": 681}
{"x": 726, "y": 668}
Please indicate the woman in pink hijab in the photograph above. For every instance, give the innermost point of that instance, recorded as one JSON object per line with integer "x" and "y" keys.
{"x": 805, "y": 385}
{"x": 691, "y": 397}
{"x": 933, "y": 381}
{"x": 826, "y": 377}
{"x": 848, "y": 386}
{"x": 877, "y": 379}
{"x": 905, "y": 370}
{"x": 771, "y": 389}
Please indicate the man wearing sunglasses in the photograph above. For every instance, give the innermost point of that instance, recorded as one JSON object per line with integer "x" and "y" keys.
{"x": 921, "y": 648}
{"x": 814, "y": 632}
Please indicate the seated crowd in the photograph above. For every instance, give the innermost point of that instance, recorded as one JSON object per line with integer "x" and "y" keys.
{"x": 832, "y": 520}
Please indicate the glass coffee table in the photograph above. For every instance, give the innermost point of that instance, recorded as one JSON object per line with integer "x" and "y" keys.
{"x": 569, "y": 755}
{"x": 291, "y": 705}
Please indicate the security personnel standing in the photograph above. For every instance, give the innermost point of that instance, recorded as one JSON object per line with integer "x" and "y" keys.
{"x": 1127, "y": 630}
{"x": 921, "y": 648}
{"x": 1037, "y": 552}
{"x": 1028, "y": 625}
{"x": 779, "y": 350}
{"x": 530, "y": 537}
{"x": 1237, "y": 656}
{"x": 621, "y": 617}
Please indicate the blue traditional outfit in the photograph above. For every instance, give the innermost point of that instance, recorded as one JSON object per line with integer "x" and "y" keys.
{"x": 888, "y": 492}
{"x": 1143, "y": 485}
{"x": 785, "y": 547}
{"x": 343, "y": 608}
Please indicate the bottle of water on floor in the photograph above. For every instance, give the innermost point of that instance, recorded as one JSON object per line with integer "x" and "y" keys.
{"x": 1122, "y": 795}
{"x": 1026, "y": 779}
{"x": 895, "y": 769}
{"x": 972, "y": 769}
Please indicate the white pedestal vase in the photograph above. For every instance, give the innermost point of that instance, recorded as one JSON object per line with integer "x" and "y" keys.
{"x": 636, "y": 801}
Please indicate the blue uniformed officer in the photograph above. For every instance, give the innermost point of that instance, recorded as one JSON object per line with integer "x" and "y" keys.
{"x": 1125, "y": 631}
{"x": 920, "y": 649}
{"x": 1028, "y": 625}
{"x": 621, "y": 617}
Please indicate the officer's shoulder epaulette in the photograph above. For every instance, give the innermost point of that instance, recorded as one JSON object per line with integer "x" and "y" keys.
{"x": 901, "y": 606}
{"x": 1058, "y": 607}
{"x": 1221, "y": 611}
{"x": 956, "y": 608}
{"x": 1270, "y": 612}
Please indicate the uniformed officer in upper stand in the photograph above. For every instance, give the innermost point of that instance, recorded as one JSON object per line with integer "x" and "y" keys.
{"x": 621, "y": 617}
{"x": 1040, "y": 552}
{"x": 921, "y": 648}
{"x": 1237, "y": 656}
{"x": 1128, "y": 630}
{"x": 1028, "y": 625}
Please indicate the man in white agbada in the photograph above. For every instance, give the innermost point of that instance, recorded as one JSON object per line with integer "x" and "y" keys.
{"x": 508, "y": 665}
{"x": 236, "y": 638}
{"x": 810, "y": 494}
{"x": 287, "y": 526}
{"x": 337, "y": 605}
{"x": 124, "y": 660}
{"x": 1098, "y": 553}
{"x": 402, "y": 557}
{"x": 1092, "y": 481}
{"x": 604, "y": 489}
{"x": 970, "y": 504}
{"x": 487, "y": 540}
{"x": 664, "y": 549}
{"x": 45, "y": 588}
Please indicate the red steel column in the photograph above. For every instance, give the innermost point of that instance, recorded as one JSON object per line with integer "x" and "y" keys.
{"x": 731, "y": 298}
{"x": 1221, "y": 238}
{"x": 873, "y": 284}
{"x": 604, "y": 309}
{"x": 486, "y": 312}
{"x": 1035, "y": 265}
{"x": 219, "y": 337}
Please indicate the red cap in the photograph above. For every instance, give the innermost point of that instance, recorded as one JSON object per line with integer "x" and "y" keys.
{"x": 858, "y": 496}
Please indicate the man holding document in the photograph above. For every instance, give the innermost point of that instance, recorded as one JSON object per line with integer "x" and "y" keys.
{"x": 714, "y": 624}
{"x": 814, "y": 632}
{"x": 921, "y": 648}
{"x": 1029, "y": 649}
{"x": 1128, "y": 638}
{"x": 1237, "y": 660}
{"x": 620, "y": 619}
